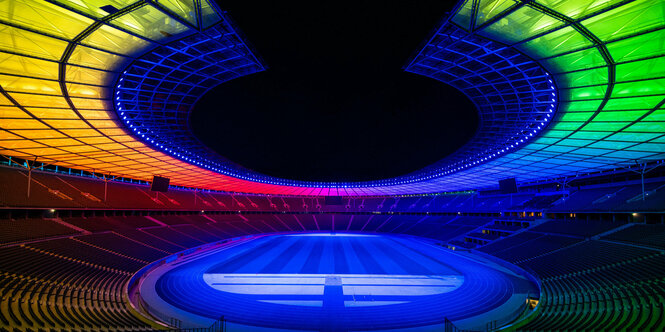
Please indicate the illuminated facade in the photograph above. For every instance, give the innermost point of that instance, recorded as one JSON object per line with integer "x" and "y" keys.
{"x": 106, "y": 87}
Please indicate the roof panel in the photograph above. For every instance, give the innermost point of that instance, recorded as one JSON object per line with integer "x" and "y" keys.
{"x": 608, "y": 89}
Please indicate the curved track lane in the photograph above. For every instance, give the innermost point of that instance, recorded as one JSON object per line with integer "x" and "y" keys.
{"x": 483, "y": 288}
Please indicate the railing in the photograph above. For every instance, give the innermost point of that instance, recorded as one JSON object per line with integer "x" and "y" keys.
{"x": 218, "y": 326}
{"x": 132, "y": 288}
{"x": 166, "y": 319}
{"x": 176, "y": 324}
{"x": 512, "y": 318}
{"x": 493, "y": 325}
{"x": 448, "y": 326}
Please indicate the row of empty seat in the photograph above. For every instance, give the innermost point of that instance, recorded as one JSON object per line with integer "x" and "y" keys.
{"x": 589, "y": 279}
{"x": 49, "y": 190}
{"x": 73, "y": 278}
{"x": 42, "y": 290}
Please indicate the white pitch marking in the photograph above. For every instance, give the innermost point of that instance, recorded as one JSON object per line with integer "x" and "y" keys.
{"x": 408, "y": 286}
{"x": 300, "y": 303}
{"x": 371, "y": 303}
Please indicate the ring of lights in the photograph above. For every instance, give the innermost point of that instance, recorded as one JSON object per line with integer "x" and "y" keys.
{"x": 515, "y": 96}
{"x": 156, "y": 92}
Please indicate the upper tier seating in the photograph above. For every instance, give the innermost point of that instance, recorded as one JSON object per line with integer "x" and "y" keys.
{"x": 540, "y": 202}
{"x": 614, "y": 198}
{"x": 49, "y": 190}
{"x": 583, "y": 228}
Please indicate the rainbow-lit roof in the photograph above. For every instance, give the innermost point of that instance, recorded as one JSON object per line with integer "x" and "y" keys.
{"x": 104, "y": 86}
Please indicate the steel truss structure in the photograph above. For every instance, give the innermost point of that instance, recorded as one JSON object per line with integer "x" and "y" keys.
{"x": 515, "y": 96}
{"x": 156, "y": 92}
{"x": 106, "y": 86}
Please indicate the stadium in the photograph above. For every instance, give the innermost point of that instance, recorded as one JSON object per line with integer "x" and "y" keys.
{"x": 115, "y": 215}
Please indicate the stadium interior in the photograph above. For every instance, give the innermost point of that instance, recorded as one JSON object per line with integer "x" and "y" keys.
{"x": 115, "y": 217}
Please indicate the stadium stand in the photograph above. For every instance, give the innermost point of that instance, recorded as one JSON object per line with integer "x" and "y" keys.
{"x": 645, "y": 235}
{"x": 94, "y": 101}
{"x": 599, "y": 285}
{"x": 592, "y": 283}
{"x": 582, "y": 228}
{"x": 597, "y": 269}
{"x": 72, "y": 277}
{"x": 64, "y": 191}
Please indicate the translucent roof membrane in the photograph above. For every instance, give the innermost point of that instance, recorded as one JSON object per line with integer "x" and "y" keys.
{"x": 61, "y": 62}
{"x": 155, "y": 94}
{"x": 515, "y": 96}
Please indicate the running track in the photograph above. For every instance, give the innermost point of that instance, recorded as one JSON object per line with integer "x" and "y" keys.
{"x": 337, "y": 282}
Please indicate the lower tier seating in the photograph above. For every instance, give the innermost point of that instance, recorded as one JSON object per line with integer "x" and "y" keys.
{"x": 44, "y": 291}
{"x": 625, "y": 296}
{"x": 73, "y": 279}
{"x": 591, "y": 284}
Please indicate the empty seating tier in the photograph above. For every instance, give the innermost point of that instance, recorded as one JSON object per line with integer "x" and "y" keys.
{"x": 49, "y": 190}
{"x": 70, "y": 273}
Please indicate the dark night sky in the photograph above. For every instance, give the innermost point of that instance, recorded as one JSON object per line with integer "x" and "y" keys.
{"x": 335, "y": 104}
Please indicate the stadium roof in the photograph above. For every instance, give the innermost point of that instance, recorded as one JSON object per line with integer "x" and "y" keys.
{"x": 106, "y": 86}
